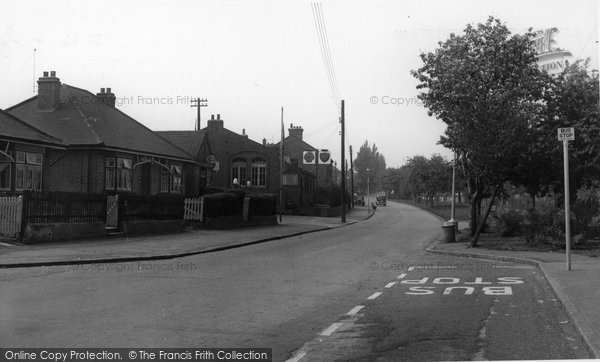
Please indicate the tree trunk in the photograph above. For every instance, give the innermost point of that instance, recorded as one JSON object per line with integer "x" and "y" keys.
{"x": 482, "y": 222}
{"x": 532, "y": 195}
{"x": 475, "y": 200}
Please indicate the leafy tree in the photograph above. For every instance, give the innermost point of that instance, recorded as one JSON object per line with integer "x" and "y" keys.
{"x": 572, "y": 101}
{"x": 395, "y": 181}
{"x": 485, "y": 85}
{"x": 428, "y": 177}
{"x": 370, "y": 165}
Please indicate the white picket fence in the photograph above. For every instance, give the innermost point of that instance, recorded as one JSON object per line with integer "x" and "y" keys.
{"x": 193, "y": 209}
{"x": 10, "y": 215}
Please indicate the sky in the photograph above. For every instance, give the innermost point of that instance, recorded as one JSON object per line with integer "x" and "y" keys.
{"x": 251, "y": 58}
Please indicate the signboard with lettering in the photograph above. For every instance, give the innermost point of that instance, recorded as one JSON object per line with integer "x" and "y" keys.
{"x": 566, "y": 134}
{"x": 550, "y": 57}
{"x": 290, "y": 179}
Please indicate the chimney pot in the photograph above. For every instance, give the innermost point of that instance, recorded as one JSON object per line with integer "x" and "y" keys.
{"x": 52, "y": 73}
{"x": 212, "y": 117}
{"x": 48, "y": 98}
{"x": 296, "y": 131}
{"x": 218, "y": 116}
{"x": 101, "y": 90}
{"x": 264, "y": 141}
{"x": 108, "y": 90}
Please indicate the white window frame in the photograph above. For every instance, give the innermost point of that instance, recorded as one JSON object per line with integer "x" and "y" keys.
{"x": 258, "y": 174}
{"x": 30, "y": 167}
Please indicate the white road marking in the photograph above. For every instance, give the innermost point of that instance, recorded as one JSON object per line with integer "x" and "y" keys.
{"x": 297, "y": 357}
{"x": 332, "y": 328}
{"x": 411, "y": 268}
{"x": 434, "y": 267}
{"x": 355, "y": 310}
{"x": 401, "y": 276}
{"x": 512, "y": 267}
{"x": 389, "y": 285}
{"x": 375, "y": 295}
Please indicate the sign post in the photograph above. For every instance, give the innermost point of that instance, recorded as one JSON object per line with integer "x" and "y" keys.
{"x": 565, "y": 135}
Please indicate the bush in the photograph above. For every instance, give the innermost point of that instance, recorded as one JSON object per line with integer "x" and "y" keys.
{"x": 262, "y": 205}
{"x": 222, "y": 204}
{"x": 542, "y": 228}
{"x": 510, "y": 222}
{"x": 549, "y": 228}
{"x": 585, "y": 213}
{"x": 332, "y": 195}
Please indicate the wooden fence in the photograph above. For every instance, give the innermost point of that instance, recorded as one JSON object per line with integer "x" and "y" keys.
{"x": 11, "y": 211}
{"x": 193, "y": 209}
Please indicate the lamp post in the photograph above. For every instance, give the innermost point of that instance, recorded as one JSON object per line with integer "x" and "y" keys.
{"x": 453, "y": 207}
{"x": 368, "y": 191}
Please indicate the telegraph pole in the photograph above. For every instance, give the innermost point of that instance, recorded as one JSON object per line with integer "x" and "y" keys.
{"x": 199, "y": 103}
{"x": 342, "y": 121}
{"x": 351, "y": 179}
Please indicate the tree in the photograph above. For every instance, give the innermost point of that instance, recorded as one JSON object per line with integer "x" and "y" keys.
{"x": 485, "y": 85}
{"x": 428, "y": 177}
{"x": 573, "y": 102}
{"x": 370, "y": 165}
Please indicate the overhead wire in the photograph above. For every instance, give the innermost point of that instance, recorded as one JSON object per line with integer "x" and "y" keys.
{"x": 325, "y": 52}
{"x": 328, "y": 53}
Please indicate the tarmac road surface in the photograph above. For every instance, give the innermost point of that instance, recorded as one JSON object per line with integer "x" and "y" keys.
{"x": 295, "y": 295}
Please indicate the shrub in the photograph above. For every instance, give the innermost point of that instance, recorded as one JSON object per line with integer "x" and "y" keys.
{"x": 510, "y": 222}
{"x": 332, "y": 195}
{"x": 540, "y": 227}
{"x": 262, "y": 205}
{"x": 222, "y": 204}
{"x": 585, "y": 213}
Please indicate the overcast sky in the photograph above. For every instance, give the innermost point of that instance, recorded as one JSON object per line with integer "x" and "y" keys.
{"x": 251, "y": 58}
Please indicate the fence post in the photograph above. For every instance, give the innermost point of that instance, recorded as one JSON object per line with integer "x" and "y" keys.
{"x": 202, "y": 209}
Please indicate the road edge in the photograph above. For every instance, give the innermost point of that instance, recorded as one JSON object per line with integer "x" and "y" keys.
{"x": 582, "y": 326}
{"x": 175, "y": 255}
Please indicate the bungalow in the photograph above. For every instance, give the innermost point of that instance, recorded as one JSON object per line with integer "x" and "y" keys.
{"x": 96, "y": 147}
{"x": 23, "y": 150}
{"x": 196, "y": 144}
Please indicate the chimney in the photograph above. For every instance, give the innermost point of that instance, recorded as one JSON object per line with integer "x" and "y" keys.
{"x": 295, "y": 131}
{"x": 48, "y": 92}
{"x": 214, "y": 124}
{"x": 264, "y": 141}
{"x": 244, "y": 133}
{"x": 106, "y": 97}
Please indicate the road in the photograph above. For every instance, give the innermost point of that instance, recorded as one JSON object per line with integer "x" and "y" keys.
{"x": 294, "y": 295}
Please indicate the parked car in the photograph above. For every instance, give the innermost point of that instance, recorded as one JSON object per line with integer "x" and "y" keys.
{"x": 381, "y": 200}
{"x": 359, "y": 200}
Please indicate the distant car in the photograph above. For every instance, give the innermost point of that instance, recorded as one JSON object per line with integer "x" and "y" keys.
{"x": 359, "y": 200}
{"x": 381, "y": 201}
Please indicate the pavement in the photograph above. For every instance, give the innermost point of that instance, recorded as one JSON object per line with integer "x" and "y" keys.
{"x": 578, "y": 289}
{"x": 165, "y": 246}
